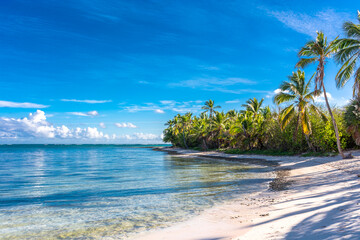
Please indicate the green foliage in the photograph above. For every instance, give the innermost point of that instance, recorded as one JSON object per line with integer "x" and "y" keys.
{"x": 256, "y": 132}
{"x": 352, "y": 119}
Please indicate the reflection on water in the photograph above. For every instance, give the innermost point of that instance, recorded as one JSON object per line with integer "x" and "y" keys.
{"x": 105, "y": 191}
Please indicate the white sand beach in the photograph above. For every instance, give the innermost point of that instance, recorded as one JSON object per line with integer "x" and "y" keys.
{"x": 322, "y": 202}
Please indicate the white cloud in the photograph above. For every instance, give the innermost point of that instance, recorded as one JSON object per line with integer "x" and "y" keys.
{"x": 35, "y": 125}
{"x": 102, "y": 125}
{"x": 321, "y": 98}
{"x": 143, "y": 136}
{"x": 85, "y": 114}
{"x": 21, "y": 105}
{"x": 233, "y": 101}
{"x": 339, "y": 102}
{"x": 159, "y": 111}
{"x": 213, "y": 83}
{"x": 125, "y": 125}
{"x": 276, "y": 91}
{"x": 180, "y": 107}
{"x": 167, "y": 102}
{"x": 86, "y": 101}
{"x": 328, "y": 21}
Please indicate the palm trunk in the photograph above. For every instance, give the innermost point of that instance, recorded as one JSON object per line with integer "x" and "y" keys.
{"x": 333, "y": 121}
{"x": 186, "y": 146}
{"x": 296, "y": 128}
{"x": 204, "y": 144}
{"x": 311, "y": 147}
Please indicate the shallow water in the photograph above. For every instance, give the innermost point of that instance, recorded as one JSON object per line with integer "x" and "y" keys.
{"x": 94, "y": 192}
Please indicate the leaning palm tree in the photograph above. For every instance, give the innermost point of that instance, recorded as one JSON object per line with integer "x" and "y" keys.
{"x": 318, "y": 51}
{"x": 253, "y": 105}
{"x": 348, "y": 55}
{"x": 210, "y": 107}
{"x": 297, "y": 92}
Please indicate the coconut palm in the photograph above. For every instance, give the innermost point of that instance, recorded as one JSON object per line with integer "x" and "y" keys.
{"x": 318, "y": 51}
{"x": 348, "y": 55}
{"x": 201, "y": 128}
{"x": 297, "y": 92}
{"x": 219, "y": 127}
{"x": 253, "y": 105}
{"x": 183, "y": 125}
{"x": 210, "y": 107}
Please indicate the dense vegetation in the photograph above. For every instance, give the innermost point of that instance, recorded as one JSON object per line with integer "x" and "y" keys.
{"x": 297, "y": 124}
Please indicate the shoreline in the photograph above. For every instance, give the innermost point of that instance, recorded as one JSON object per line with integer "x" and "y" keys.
{"x": 316, "y": 192}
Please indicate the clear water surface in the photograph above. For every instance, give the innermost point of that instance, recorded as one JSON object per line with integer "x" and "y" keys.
{"x": 106, "y": 191}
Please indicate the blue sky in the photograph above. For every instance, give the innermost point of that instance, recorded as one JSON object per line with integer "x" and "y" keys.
{"x": 116, "y": 71}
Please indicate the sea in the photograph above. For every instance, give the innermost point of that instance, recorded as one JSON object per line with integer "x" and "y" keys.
{"x": 111, "y": 191}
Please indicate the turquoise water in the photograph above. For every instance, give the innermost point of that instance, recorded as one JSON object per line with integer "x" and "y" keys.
{"x": 109, "y": 191}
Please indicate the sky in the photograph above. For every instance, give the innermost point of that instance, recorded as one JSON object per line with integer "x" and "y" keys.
{"x": 96, "y": 71}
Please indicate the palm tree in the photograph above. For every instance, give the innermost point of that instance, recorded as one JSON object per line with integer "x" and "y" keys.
{"x": 219, "y": 127}
{"x": 319, "y": 50}
{"x": 297, "y": 91}
{"x": 253, "y": 105}
{"x": 209, "y": 107}
{"x": 201, "y": 127}
{"x": 182, "y": 125}
{"x": 244, "y": 127}
{"x": 348, "y": 54}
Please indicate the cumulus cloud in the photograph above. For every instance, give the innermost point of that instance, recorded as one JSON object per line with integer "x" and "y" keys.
{"x": 102, "y": 125}
{"x": 35, "y": 125}
{"x": 159, "y": 111}
{"x": 125, "y": 125}
{"x": 276, "y": 91}
{"x": 21, "y": 105}
{"x": 85, "y": 114}
{"x": 321, "y": 98}
{"x": 86, "y": 101}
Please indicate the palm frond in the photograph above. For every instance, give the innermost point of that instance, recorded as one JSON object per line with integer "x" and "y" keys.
{"x": 351, "y": 29}
{"x": 286, "y": 115}
{"x": 346, "y": 49}
{"x": 304, "y": 62}
{"x": 317, "y": 111}
{"x": 345, "y": 72}
{"x": 283, "y": 97}
{"x": 356, "y": 87}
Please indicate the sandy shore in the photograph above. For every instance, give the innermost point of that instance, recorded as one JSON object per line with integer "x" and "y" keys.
{"x": 322, "y": 202}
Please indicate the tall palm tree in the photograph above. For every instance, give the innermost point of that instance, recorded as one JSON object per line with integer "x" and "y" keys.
{"x": 210, "y": 107}
{"x": 318, "y": 51}
{"x": 297, "y": 92}
{"x": 253, "y": 105}
{"x": 348, "y": 55}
